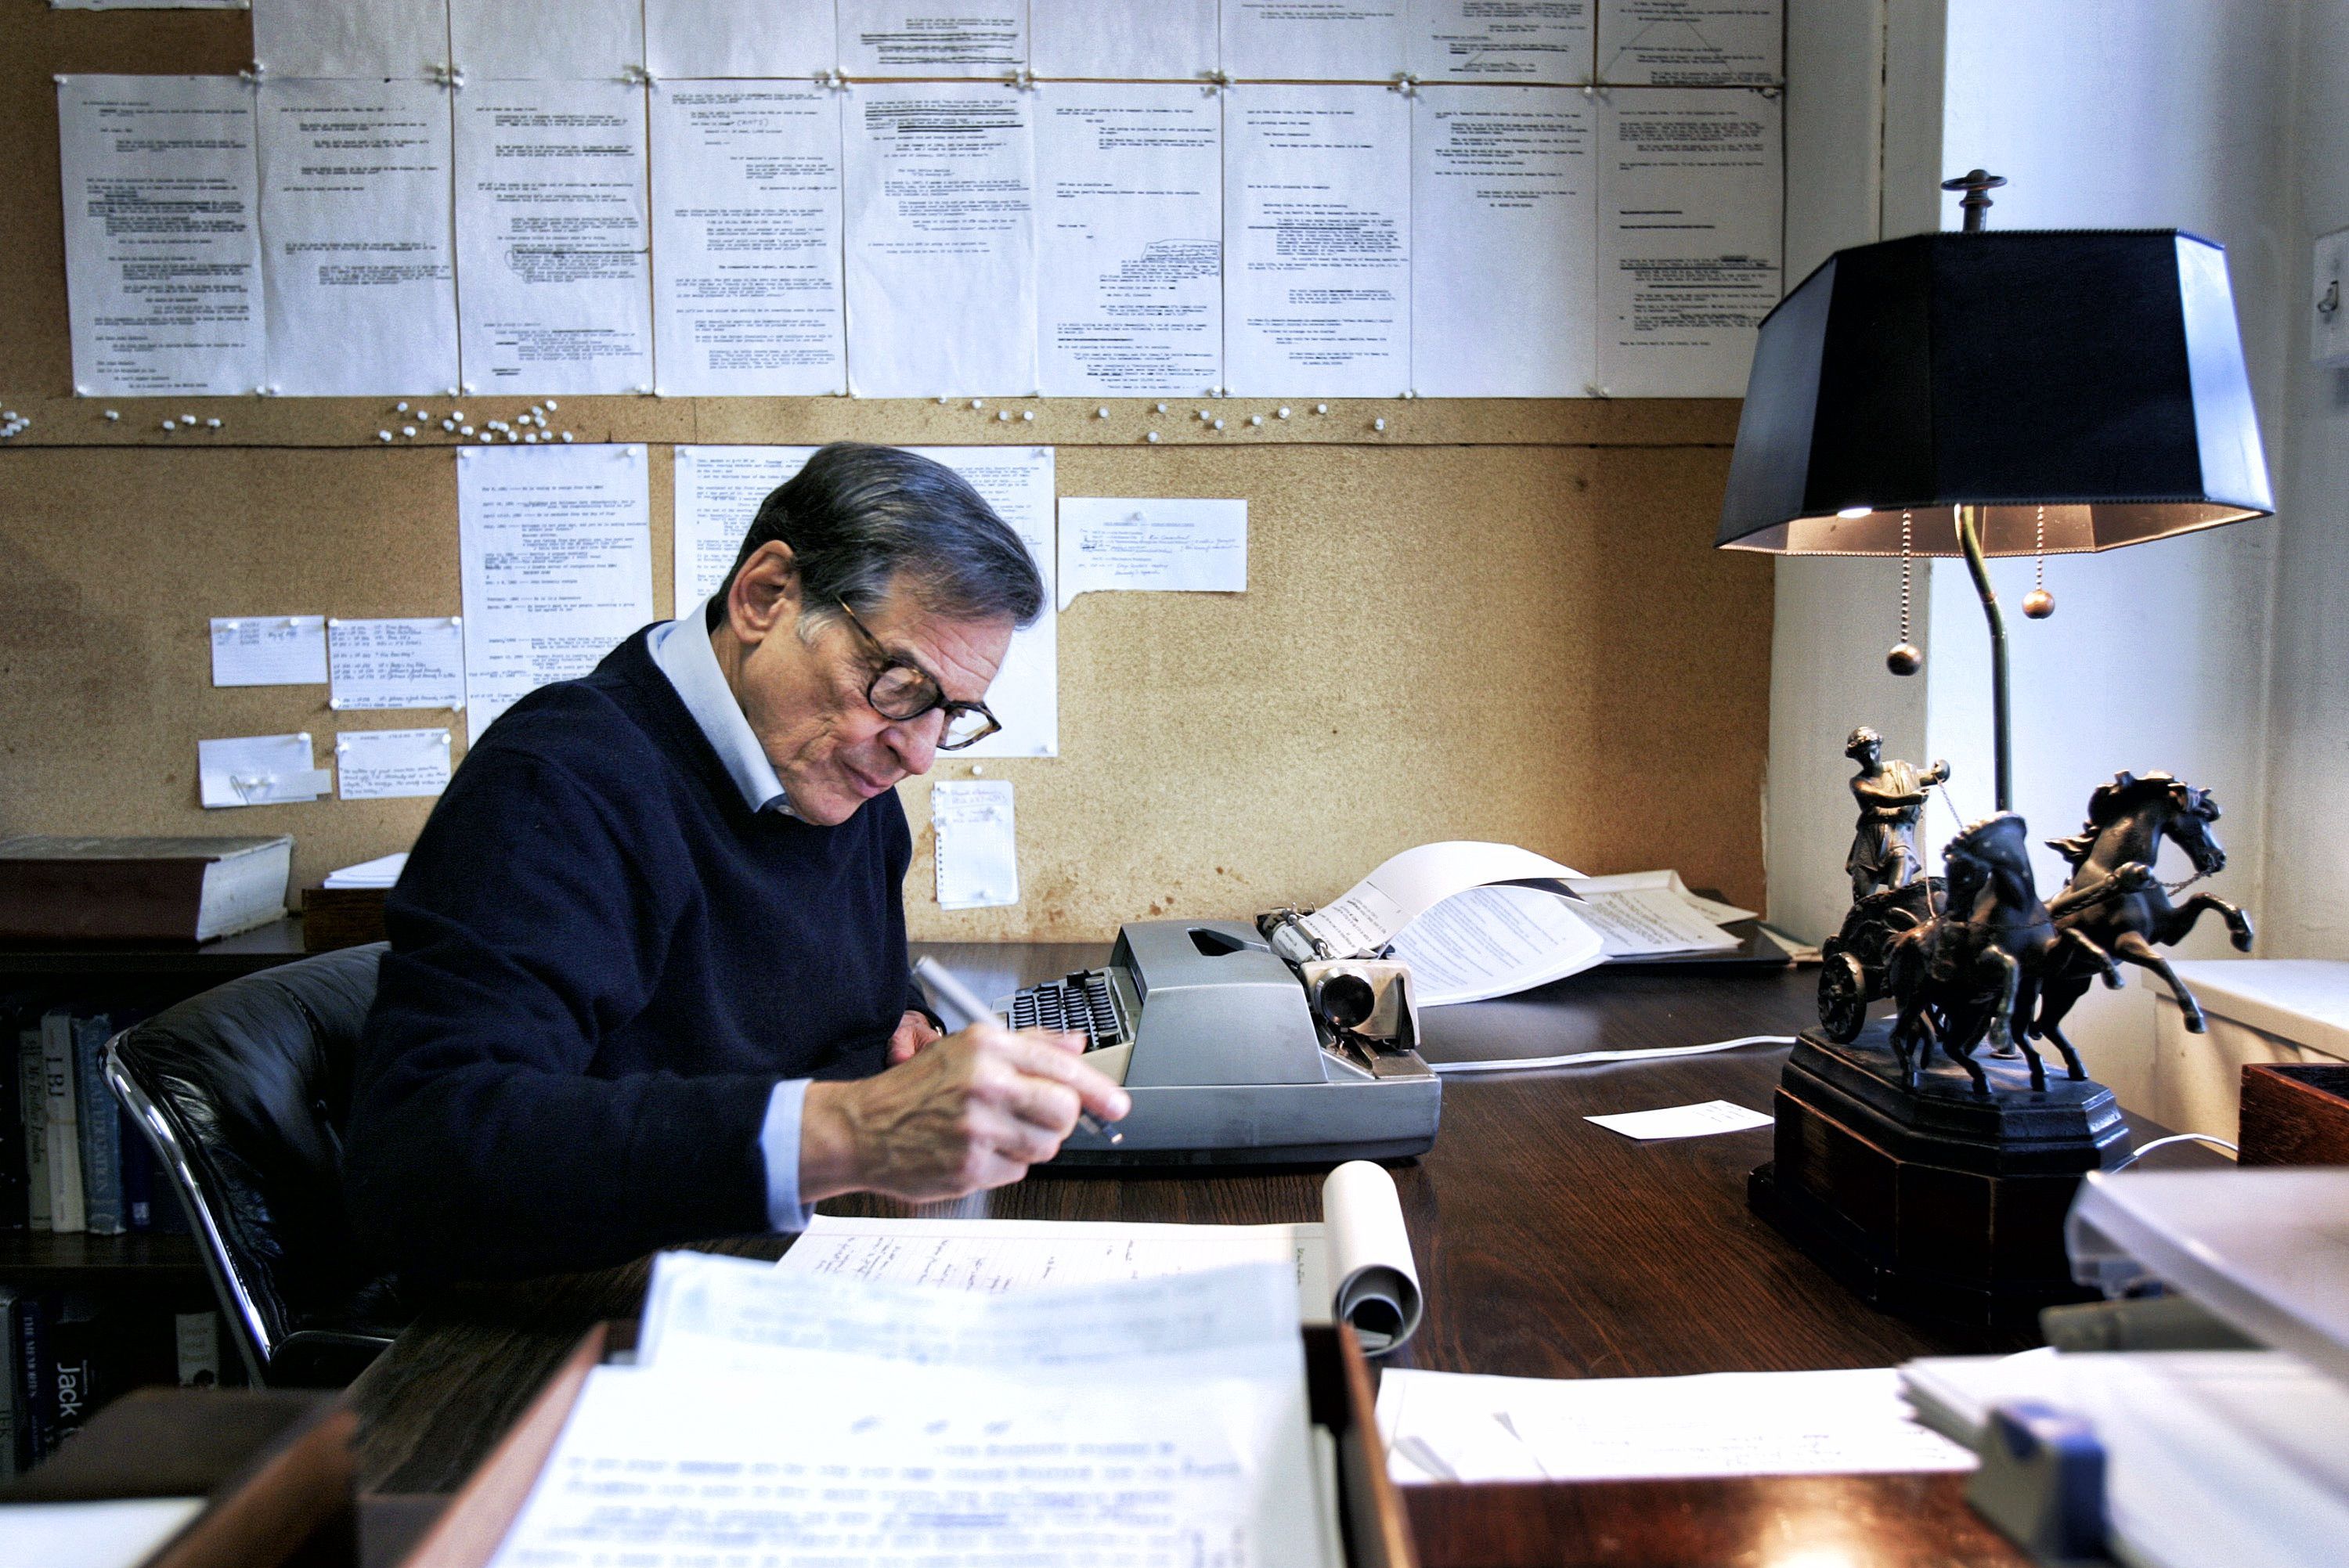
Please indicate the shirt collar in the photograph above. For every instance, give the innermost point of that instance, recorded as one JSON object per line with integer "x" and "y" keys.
{"x": 681, "y": 648}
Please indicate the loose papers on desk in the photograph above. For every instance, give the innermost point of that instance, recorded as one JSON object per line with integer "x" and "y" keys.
{"x": 1355, "y": 1264}
{"x": 1701, "y": 1120}
{"x": 259, "y": 771}
{"x": 163, "y": 258}
{"x": 1647, "y": 914}
{"x": 381, "y": 872}
{"x": 1473, "y": 920}
{"x": 555, "y": 551}
{"x": 1152, "y": 1420}
{"x": 977, "y": 844}
{"x": 269, "y": 650}
{"x": 409, "y": 662}
{"x": 1456, "y": 1427}
{"x": 1152, "y": 546}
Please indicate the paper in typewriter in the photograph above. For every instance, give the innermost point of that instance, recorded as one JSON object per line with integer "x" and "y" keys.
{"x": 1472, "y": 920}
{"x": 784, "y": 1417}
{"x": 1355, "y": 1264}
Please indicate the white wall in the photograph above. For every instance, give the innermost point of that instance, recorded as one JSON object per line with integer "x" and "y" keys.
{"x": 2306, "y": 908}
{"x": 2101, "y": 113}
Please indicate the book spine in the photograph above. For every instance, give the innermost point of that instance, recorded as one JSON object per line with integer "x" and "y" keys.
{"x": 28, "y": 1355}
{"x": 15, "y": 1210}
{"x": 196, "y": 1337}
{"x": 73, "y": 1379}
{"x": 33, "y": 1114}
{"x": 100, "y": 1128}
{"x": 66, "y": 1211}
{"x": 138, "y": 1174}
{"x": 12, "y": 1464}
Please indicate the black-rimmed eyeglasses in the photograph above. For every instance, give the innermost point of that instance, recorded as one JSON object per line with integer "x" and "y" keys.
{"x": 902, "y": 689}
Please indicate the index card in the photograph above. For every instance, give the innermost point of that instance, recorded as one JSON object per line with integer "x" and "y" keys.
{"x": 1682, "y": 1121}
{"x": 717, "y": 492}
{"x": 765, "y": 38}
{"x": 1129, "y": 295}
{"x": 1316, "y": 234}
{"x": 162, "y": 255}
{"x": 978, "y": 852}
{"x": 941, "y": 239}
{"x": 1501, "y": 41}
{"x": 391, "y": 764}
{"x": 410, "y": 663}
{"x": 1691, "y": 43}
{"x": 547, "y": 40}
{"x": 553, "y": 284}
{"x": 555, "y": 550}
{"x": 1314, "y": 40}
{"x": 1504, "y": 203}
{"x": 354, "y": 223}
{"x": 1018, "y": 483}
{"x": 918, "y": 38}
{"x": 269, "y": 650}
{"x": 371, "y": 38}
{"x": 1159, "y": 546}
{"x": 259, "y": 771}
{"x": 746, "y": 240}
{"x": 1163, "y": 41}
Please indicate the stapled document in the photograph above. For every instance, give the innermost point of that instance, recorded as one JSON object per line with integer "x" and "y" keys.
{"x": 259, "y": 771}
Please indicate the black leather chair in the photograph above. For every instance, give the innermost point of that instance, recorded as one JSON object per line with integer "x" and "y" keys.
{"x": 243, "y": 1092}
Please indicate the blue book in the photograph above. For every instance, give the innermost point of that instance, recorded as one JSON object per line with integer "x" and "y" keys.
{"x": 138, "y": 1176}
{"x": 29, "y": 1353}
{"x": 99, "y": 1128}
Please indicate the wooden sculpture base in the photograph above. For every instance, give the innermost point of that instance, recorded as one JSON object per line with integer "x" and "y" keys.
{"x": 1939, "y": 1202}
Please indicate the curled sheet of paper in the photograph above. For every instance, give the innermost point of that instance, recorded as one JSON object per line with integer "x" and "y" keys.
{"x": 1374, "y": 1285}
{"x": 259, "y": 771}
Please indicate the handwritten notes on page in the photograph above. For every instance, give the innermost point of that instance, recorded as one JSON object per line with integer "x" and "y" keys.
{"x": 1699, "y": 1120}
{"x": 1018, "y": 483}
{"x": 1465, "y": 1427}
{"x": 941, "y": 238}
{"x": 746, "y": 240}
{"x": 162, "y": 253}
{"x": 1129, "y": 248}
{"x": 258, "y": 771}
{"x": 1163, "y": 1421}
{"x": 553, "y": 281}
{"x": 1156, "y": 545}
{"x": 269, "y": 650}
{"x": 411, "y": 662}
{"x": 1502, "y": 189}
{"x": 1689, "y": 251}
{"x": 717, "y": 493}
{"x": 977, "y": 844}
{"x": 356, "y": 258}
{"x": 555, "y": 551}
{"x": 1317, "y": 239}
{"x": 391, "y": 764}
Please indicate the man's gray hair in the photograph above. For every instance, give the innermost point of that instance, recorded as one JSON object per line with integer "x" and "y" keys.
{"x": 860, "y": 518}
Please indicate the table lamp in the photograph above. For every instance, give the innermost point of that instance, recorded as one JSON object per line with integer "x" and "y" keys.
{"x": 1980, "y": 394}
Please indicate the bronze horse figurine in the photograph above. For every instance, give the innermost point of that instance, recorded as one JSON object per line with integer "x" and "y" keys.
{"x": 1968, "y": 973}
{"x": 2114, "y": 904}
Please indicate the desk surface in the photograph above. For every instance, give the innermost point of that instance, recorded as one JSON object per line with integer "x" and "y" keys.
{"x": 1548, "y": 1246}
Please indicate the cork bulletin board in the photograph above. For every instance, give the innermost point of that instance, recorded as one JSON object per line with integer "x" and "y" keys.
{"x": 1489, "y": 619}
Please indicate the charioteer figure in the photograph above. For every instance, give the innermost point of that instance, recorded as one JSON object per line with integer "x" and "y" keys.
{"x": 1891, "y": 797}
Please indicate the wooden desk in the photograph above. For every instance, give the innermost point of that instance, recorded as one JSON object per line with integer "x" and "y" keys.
{"x": 1547, "y": 1247}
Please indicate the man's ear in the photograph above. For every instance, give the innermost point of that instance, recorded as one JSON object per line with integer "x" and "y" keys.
{"x": 765, "y": 594}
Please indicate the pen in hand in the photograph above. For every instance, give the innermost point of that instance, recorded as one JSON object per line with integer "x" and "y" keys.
{"x": 944, "y": 987}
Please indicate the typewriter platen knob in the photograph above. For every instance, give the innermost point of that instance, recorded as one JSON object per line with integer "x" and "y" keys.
{"x": 1344, "y": 1001}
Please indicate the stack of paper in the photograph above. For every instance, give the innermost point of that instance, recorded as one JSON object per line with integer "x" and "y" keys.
{"x": 381, "y": 872}
{"x": 774, "y": 1415}
{"x": 1648, "y": 915}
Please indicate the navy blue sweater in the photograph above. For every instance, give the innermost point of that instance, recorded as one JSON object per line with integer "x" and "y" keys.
{"x": 601, "y": 963}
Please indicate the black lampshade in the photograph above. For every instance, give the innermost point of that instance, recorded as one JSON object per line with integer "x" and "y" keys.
{"x": 2095, "y": 372}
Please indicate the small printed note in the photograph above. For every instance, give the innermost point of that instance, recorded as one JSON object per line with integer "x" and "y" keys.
{"x": 1683, "y": 1120}
{"x": 392, "y": 763}
{"x": 1157, "y": 546}
{"x": 978, "y": 863}
{"x": 259, "y": 771}
{"x": 269, "y": 650}
{"x": 412, "y": 663}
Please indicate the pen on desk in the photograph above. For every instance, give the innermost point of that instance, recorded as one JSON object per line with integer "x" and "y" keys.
{"x": 945, "y": 988}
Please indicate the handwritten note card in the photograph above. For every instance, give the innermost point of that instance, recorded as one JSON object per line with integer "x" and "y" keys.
{"x": 413, "y": 663}
{"x": 392, "y": 763}
{"x": 269, "y": 650}
{"x": 978, "y": 863}
{"x": 1165, "y": 546}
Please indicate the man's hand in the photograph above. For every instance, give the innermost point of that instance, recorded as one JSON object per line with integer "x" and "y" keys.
{"x": 973, "y": 1111}
{"x": 913, "y": 1032}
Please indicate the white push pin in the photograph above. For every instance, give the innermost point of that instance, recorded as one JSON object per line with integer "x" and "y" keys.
{"x": 1378, "y": 424}
{"x": 171, "y": 424}
{"x": 1256, "y": 418}
{"x": 1281, "y": 413}
{"x": 1002, "y": 414}
{"x": 383, "y": 434}
{"x": 448, "y": 424}
{"x": 213, "y": 424}
{"x": 407, "y": 429}
{"x": 552, "y": 404}
{"x": 1217, "y": 425}
{"x": 978, "y": 402}
{"x": 1162, "y": 408}
{"x": 458, "y": 415}
{"x": 566, "y": 437}
{"x": 1320, "y": 408}
{"x": 464, "y": 429}
{"x": 1101, "y": 412}
{"x": 400, "y": 406}
{"x": 1151, "y": 438}
{"x": 112, "y": 414}
{"x": 1026, "y": 413}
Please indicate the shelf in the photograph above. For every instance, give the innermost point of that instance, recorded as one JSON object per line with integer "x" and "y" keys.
{"x": 223, "y": 959}
{"x": 44, "y": 1259}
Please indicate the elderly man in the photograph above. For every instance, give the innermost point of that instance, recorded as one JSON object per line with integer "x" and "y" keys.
{"x": 648, "y": 978}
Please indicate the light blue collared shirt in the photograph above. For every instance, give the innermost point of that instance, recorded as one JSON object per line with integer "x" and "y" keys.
{"x": 681, "y": 648}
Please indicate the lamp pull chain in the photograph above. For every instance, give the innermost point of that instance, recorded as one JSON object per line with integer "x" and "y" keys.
{"x": 1905, "y": 658}
{"x": 2039, "y": 603}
